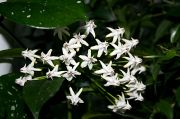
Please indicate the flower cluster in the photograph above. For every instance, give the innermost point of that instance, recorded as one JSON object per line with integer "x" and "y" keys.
{"x": 119, "y": 48}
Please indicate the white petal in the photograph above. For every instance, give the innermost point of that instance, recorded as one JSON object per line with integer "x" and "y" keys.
{"x": 84, "y": 64}
{"x": 100, "y": 52}
{"x": 83, "y": 57}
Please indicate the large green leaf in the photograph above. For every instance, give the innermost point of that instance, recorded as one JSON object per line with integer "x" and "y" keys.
{"x": 10, "y": 53}
{"x": 12, "y": 104}
{"x": 36, "y": 93}
{"x": 43, "y": 13}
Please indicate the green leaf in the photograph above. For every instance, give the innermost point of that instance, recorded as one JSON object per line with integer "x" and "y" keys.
{"x": 43, "y": 13}
{"x": 175, "y": 34}
{"x": 36, "y": 93}
{"x": 155, "y": 68}
{"x": 169, "y": 55}
{"x": 162, "y": 29}
{"x": 178, "y": 96}
{"x": 10, "y": 53}
{"x": 12, "y": 104}
{"x": 165, "y": 108}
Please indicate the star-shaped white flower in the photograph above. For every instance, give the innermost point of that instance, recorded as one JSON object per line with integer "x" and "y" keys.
{"x": 121, "y": 105}
{"x": 115, "y": 33}
{"x": 54, "y": 72}
{"x": 31, "y": 54}
{"x": 29, "y": 69}
{"x": 67, "y": 58}
{"x": 139, "y": 69}
{"x": 111, "y": 80}
{"x": 74, "y": 98}
{"x": 70, "y": 47}
{"x": 135, "y": 95}
{"x": 101, "y": 47}
{"x": 78, "y": 39}
{"x": 22, "y": 80}
{"x": 132, "y": 61}
{"x": 129, "y": 44}
{"x": 127, "y": 77}
{"x": 106, "y": 70}
{"x": 136, "y": 86}
{"x": 87, "y": 60}
{"x": 140, "y": 86}
{"x": 61, "y": 31}
{"x": 119, "y": 50}
{"x": 48, "y": 58}
{"x": 90, "y": 26}
{"x": 71, "y": 72}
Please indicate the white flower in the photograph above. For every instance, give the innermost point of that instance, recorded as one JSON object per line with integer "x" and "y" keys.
{"x": 135, "y": 95}
{"x": 30, "y": 54}
{"x": 54, "y": 72}
{"x": 111, "y": 80}
{"x": 121, "y": 105}
{"x": 67, "y": 58}
{"x": 90, "y": 28}
{"x": 48, "y": 58}
{"x": 139, "y": 97}
{"x": 119, "y": 50}
{"x": 78, "y": 39}
{"x": 138, "y": 86}
{"x": 139, "y": 69}
{"x": 87, "y": 60}
{"x": 132, "y": 61}
{"x": 130, "y": 43}
{"x": 115, "y": 33}
{"x": 127, "y": 77}
{"x": 101, "y": 47}
{"x": 29, "y": 69}
{"x": 71, "y": 46}
{"x": 61, "y": 31}
{"x": 71, "y": 72}
{"x": 106, "y": 70}
{"x": 22, "y": 80}
{"x": 75, "y": 97}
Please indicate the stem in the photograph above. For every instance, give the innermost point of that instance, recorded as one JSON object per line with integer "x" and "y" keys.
{"x": 103, "y": 91}
{"x": 69, "y": 111}
{"x": 12, "y": 35}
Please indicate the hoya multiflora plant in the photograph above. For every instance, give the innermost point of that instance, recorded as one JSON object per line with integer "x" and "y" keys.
{"x": 109, "y": 59}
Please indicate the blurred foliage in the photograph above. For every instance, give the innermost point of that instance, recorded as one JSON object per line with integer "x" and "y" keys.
{"x": 156, "y": 24}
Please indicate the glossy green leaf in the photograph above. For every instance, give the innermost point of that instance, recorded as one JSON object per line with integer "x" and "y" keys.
{"x": 10, "y": 53}
{"x": 43, "y": 13}
{"x": 175, "y": 34}
{"x": 12, "y": 104}
{"x": 36, "y": 93}
{"x": 162, "y": 29}
{"x": 165, "y": 108}
{"x": 178, "y": 96}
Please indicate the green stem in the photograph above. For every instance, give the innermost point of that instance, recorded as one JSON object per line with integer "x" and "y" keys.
{"x": 12, "y": 35}
{"x": 69, "y": 111}
{"x": 103, "y": 91}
